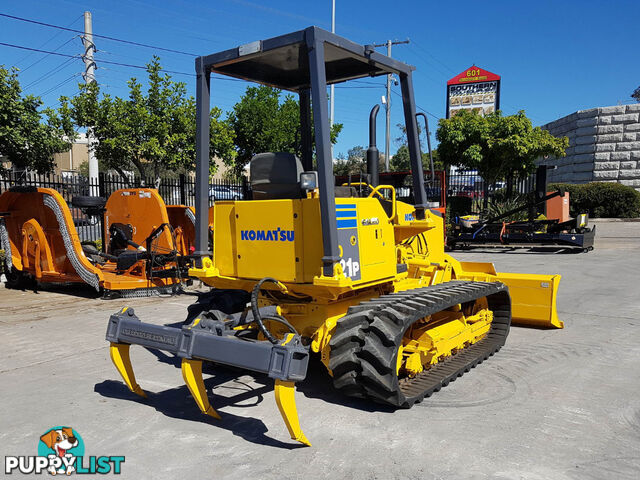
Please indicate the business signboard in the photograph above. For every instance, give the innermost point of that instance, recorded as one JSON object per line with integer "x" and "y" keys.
{"x": 474, "y": 89}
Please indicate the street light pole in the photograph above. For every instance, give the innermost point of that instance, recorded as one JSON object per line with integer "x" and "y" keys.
{"x": 388, "y": 116}
{"x": 90, "y": 77}
{"x": 331, "y": 110}
{"x": 387, "y": 137}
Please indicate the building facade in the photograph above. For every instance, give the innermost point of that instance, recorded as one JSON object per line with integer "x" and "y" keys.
{"x": 604, "y": 146}
{"x": 69, "y": 162}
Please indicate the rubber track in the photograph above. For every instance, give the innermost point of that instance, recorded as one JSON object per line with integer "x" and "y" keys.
{"x": 365, "y": 344}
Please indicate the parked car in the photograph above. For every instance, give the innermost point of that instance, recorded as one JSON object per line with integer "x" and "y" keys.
{"x": 225, "y": 192}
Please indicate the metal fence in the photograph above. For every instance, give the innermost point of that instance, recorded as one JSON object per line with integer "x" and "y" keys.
{"x": 179, "y": 190}
{"x": 471, "y": 185}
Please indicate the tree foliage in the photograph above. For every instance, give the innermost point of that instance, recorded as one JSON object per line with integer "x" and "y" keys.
{"x": 401, "y": 162}
{"x": 29, "y": 137}
{"x": 265, "y": 121}
{"x": 354, "y": 163}
{"x": 151, "y": 132}
{"x": 496, "y": 146}
{"x": 636, "y": 94}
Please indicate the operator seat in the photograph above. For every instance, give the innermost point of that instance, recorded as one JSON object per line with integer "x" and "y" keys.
{"x": 275, "y": 176}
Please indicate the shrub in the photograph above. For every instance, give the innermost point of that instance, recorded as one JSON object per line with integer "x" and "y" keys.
{"x": 600, "y": 199}
{"x": 498, "y": 207}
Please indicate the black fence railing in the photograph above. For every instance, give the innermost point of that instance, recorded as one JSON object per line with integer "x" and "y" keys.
{"x": 179, "y": 190}
{"x": 471, "y": 185}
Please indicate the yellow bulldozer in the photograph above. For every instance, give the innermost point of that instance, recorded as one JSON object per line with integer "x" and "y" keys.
{"x": 350, "y": 274}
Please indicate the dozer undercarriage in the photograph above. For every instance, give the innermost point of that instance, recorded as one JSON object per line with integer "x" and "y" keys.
{"x": 402, "y": 347}
{"x": 352, "y": 275}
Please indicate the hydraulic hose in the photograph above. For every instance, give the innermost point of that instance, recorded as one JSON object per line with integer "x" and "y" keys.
{"x": 256, "y": 311}
{"x": 283, "y": 321}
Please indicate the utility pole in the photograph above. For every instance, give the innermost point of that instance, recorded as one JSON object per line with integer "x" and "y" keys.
{"x": 89, "y": 77}
{"x": 388, "y": 104}
{"x": 333, "y": 89}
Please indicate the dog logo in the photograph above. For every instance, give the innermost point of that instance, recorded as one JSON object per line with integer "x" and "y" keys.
{"x": 61, "y": 452}
{"x": 63, "y": 446}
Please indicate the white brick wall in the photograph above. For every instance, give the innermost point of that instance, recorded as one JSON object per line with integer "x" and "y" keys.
{"x": 604, "y": 145}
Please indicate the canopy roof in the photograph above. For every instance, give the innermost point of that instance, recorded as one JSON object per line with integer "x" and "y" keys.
{"x": 283, "y": 61}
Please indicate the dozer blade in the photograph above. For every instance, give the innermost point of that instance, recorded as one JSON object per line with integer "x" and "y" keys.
{"x": 285, "y": 362}
{"x": 533, "y": 296}
{"x": 533, "y": 299}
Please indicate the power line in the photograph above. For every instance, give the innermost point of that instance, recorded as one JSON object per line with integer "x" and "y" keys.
{"x": 431, "y": 55}
{"x": 430, "y": 68}
{"x": 357, "y": 86}
{"x": 42, "y": 58}
{"x": 418, "y": 106}
{"x": 21, "y": 47}
{"x": 48, "y": 41}
{"x": 114, "y": 39}
{"x": 51, "y": 72}
{"x": 142, "y": 67}
{"x": 67, "y": 80}
{"x": 365, "y": 82}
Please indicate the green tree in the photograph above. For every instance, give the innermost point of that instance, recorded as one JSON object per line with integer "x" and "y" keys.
{"x": 29, "y": 137}
{"x": 401, "y": 162}
{"x": 151, "y": 132}
{"x": 354, "y": 163}
{"x": 636, "y": 94}
{"x": 265, "y": 121}
{"x": 498, "y": 147}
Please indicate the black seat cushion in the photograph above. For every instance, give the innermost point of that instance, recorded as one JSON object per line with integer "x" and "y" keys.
{"x": 275, "y": 176}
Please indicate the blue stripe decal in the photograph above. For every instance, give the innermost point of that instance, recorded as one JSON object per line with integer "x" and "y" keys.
{"x": 344, "y": 206}
{"x": 346, "y": 214}
{"x": 351, "y": 223}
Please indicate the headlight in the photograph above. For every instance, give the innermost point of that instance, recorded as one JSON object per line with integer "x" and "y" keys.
{"x": 308, "y": 180}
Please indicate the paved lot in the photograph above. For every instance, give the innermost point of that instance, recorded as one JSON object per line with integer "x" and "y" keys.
{"x": 551, "y": 405}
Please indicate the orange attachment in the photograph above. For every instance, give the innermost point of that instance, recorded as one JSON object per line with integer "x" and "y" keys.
{"x": 43, "y": 241}
{"x": 182, "y": 219}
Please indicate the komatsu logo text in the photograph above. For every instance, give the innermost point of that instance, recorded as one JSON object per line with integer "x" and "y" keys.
{"x": 276, "y": 235}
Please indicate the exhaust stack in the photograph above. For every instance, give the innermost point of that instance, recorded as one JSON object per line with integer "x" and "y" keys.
{"x": 373, "y": 154}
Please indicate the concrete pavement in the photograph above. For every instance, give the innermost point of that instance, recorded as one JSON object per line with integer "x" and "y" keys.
{"x": 552, "y": 404}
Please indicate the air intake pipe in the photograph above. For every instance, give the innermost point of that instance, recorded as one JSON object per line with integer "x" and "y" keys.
{"x": 373, "y": 154}
{"x": 426, "y": 127}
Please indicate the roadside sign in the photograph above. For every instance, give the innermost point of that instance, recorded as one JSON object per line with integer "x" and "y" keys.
{"x": 474, "y": 89}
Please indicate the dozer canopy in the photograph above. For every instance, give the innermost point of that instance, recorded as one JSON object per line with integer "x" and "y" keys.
{"x": 305, "y": 62}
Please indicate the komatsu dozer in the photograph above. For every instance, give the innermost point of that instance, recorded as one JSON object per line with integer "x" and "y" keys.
{"x": 143, "y": 252}
{"x": 306, "y": 267}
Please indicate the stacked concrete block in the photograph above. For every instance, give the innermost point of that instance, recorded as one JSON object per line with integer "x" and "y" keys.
{"x": 604, "y": 146}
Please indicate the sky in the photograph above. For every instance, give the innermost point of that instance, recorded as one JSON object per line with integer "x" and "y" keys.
{"x": 554, "y": 57}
